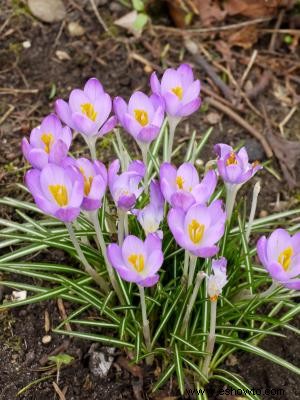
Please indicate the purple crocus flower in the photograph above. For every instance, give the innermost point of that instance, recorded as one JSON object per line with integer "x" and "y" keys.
{"x": 151, "y": 216}
{"x": 181, "y": 188}
{"x": 179, "y": 90}
{"x": 233, "y": 167}
{"x": 88, "y": 110}
{"x": 48, "y": 143}
{"x": 280, "y": 255}
{"x": 218, "y": 279}
{"x": 142, "y": 117}
{"x": 199, "y": 229}
{"x": 57, "y": 191}
{"x": 137, "y": 261}
{"x": 125, "y": 188}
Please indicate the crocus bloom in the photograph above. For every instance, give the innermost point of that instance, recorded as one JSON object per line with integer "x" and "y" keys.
{"x": 88, "y": 110}
{"x": 182, "y": 188}
{"x": 199, "y": 229}
{"x": 280, "y": 255}
{"x": 57, "y": 191}
{"x": 233, "y": 167}
{"x": 95, "y": 181}
{"x": 179, "y": 90}
{"x": 151, "y": 216}
{"x": 49, "y": 142}
{"x": 137, "y": 261}
{"x": 142, "y": 117}
{"x": 125, "y": 188}
{"x": 218, "y": 279}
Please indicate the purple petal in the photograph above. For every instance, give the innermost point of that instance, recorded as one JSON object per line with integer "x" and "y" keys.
{"x": 278, "y": 241}
{"x": 58, "y": 152}
{"x": 126, "y": 202}
{"x": 205, "y": 252}
{"x": 84, "y": 125}
{"x": 120, "y": 108}
{"x": 186, "y": 75}
{"x": 261, "y": 248}
{"x": 67, "y": 214}
{"x": 189, "y": 108}
{"x": 167, "y": 174}
{"x": 62, "y": 109}
{"x": 150, "y": 281}
{"x": 93, "y": 89}
{"x": 176, "y": 224}
{"x": 293, "y": 284}
{"x": 173, "y": 104}
{"x": 38, "y": 158}
{"x": 154, "y": 83}
{"x": 138, "y": 167}
{"x": 152, "y": 243}
{"x": 103, "y": 106}
{"x": 191, "y": 93}
{"x": 205, "y": 189}
{"x": 108, "y": 126}
{"x": 114, "y": 254}
{"x": 171, "y": 79}
{"x": 148, "y": 134}
{"x": 222, "y": 150}
{"x": 183, "y": 200}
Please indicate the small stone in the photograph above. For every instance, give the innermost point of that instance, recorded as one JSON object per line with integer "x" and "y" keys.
{"x": 47, "y": 11}
{"x": 26, "y": 44}
{"x": 62, "y": 55}
{"x": 46, "y": 339}
{"x": 19, "y": 295}
{"x": 263, "y": 214}
{"x": 213, "y": 118}
{"x": 101, "y": 361}
{"x": 75, "y": 29}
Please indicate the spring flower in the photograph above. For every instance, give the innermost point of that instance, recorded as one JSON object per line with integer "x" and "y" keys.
{"x": 142, "y": 117}
{"x": 48, "y": 143}
{"x": 57, "y": 191}
{"x": 179, "y": 90}
{"x": 125, "y": 188}
{"x": 95, "y": 181}
{"x": 151, "y": 216}
{"x": 181, "y": 188}
{"x": 280, "y": 255}
{"x": 218, "y": 279}
{"x": 199, "y": 229}
{"x": 137, "y": 261}
{"x": 88, "y": 110}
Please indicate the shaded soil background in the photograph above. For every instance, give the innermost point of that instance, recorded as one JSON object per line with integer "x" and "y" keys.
{"x": 41, "y": 62}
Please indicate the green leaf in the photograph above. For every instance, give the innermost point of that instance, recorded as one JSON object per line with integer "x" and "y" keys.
{"x": 140, "y": 22}
{"x": 164, "y": 377}
{"x": 138, "y": 5}
{"x": 179, "y": 370}
{"x": 61, "y": 359}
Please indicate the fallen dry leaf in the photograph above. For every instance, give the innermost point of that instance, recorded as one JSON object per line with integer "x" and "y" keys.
{"x": 47, "y": 11}
{"x": 255, "y": 8}
{"x": 210, "y": 11}
{"x": 245, "y": 37}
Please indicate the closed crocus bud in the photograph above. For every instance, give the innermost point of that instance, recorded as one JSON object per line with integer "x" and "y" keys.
{"x": 48, "y": 143}
{"x": 280, "y": 255}
{"x": 137, "y": 261}
{"x": 199, "y": 229}
{"x": 88, "y": 110}
{"x": 182, "y": 188}
{"x": 57, "y": 191}
{"x": 218, "y": 279}
{"x": 125, "y": 188}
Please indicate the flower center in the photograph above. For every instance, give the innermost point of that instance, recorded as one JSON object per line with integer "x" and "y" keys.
{"x": 88, "y": 110}
{"x": 196, "y": 231}
{"x": 137, "y": 261}
{"x": 285, "y": 258}
{"x": 179, "y": 182}
{"x": 47, "y": 139}
{"x": 178, "y": 91}
{"x": 87, "y": 182}
{"x": 60, "y": 194}
{"x": 231, "y": 160}
{"x": 141, "y": 116}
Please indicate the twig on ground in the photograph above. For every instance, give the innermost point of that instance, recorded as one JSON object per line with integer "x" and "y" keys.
{"x": 280, "y": 17}
{"x": 7, "y": 114}
{"x": 58, "y": 391}
{"x": 99, "y": 18}
{"x": 286, "y": 119}
{"x": 63, "y": 314}
{"x": 249, "y": 67}
{"x": 17, "y": 91}
{"x": 261, "y": 85}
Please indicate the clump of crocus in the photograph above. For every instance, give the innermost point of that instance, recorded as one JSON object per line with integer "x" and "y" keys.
{"x": 280, "y": 255}
{"x": 48, "y": 143}
{"x": 199, "y": 229}
{"x": 87, "y": 112}
{"x": 181, "y": 93}
{"x": 152, "y": 215}
{"x": 181, "y": 188}
{"x": 235, "y": 169}
{"x": 57, "y": 191}
{"x": 218, "y": 279}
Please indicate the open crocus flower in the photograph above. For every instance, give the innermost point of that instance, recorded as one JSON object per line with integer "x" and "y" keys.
{"x": 142, "y": 117}
{"x": 49, "y": 142}
{"x": 125, "y": 188}
{"x": 234, "y": 167}
{"x": 199, "y": 229}
{"x": 218, "y": 279}
{"x": 179, "y": 90}
{"x": 137, "y": 261}
{"x": 57, "y": 191}
{"x": 95, "y": 181}
{"x": 181, "y": 188}
{"x": 88, "y": 110}
{"x": 151, "y": 216}
{"x": 280, "y": 255}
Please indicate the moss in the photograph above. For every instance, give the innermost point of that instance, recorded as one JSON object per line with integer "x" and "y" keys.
{"x": 9, "y": 340}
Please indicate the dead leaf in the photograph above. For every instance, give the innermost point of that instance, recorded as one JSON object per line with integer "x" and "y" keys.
{"x": 255, "y": 8}
{"x": 58, "y": 391}
{"x": 210, "y": 11}
{"x": 245, "y": 37}
{"x": 62, "y": 55}
{"x": 223, "y": 47}
{"x": 47, "y": 11}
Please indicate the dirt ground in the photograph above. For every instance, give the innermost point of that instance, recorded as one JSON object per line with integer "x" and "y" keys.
{"x": 41, "y": 62}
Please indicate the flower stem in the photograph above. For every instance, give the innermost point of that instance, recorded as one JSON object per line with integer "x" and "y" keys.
{"x": 146, "y": 329}
{"x": 144, "y": 149}
{"x": 256, "y": 191}
{"x": 90, "y": 270}
{"x": 211, "y": 337}
{"x": 186, "y": 266}
{"x": 91, "y": 142}
{"x": 173, "y": 122}
{"x": 100, "y": 238}
{"x": 121, "y": 224}
{"x": 193, "y": 262}
{"x": 199, "y": 278}
{"x": 248, "y": 296}
{"x": 231, "y": 192}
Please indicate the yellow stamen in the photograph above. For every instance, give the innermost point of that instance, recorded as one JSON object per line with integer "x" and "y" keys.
{"x": 231, "y": 160}
{"x": 88, "y": 110}
{"x": 196, "y": 231}
{"x": 60, "y": 194}
{"x": 179, "y": 182}
{"x": 87, "y": 182}
{"x": 141, "y": 116}
{"x": 137, "y": 261}
{"x": 47, "y": 139}
{"x": 255, "y": 164}
{"x": 214, "y": 298}
{"x": 178, "y": 91}
{"x": 285, "y": 258}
